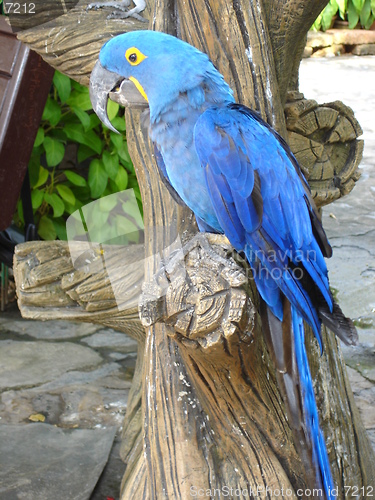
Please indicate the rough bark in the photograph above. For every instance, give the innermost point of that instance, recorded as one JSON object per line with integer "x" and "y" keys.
{"x": 212, "y": 414}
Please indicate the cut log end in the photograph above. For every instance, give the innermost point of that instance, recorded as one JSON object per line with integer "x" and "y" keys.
{"x": 324, "y": 139}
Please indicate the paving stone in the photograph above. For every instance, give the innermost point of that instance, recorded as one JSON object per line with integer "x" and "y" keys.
{"x": 55, "y": 464}
{"x": 110, "y": 480}
{"x": 364, "y": 394}
{"x": 31, "y": 363}
{"x": 77, "y": 377}
{"x": 318, "y": 39}
{"x": 352, "y": 37}
{"x": 113, "y": 340}
{"x": 366, "y": 49}
{"x": 53, "y": 330}
{"x": 362, "y": 359}
{"x": 330, "y": 51}
{"x": 84, "y": 399}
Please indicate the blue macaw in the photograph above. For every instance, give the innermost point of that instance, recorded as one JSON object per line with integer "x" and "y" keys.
{"x": 240, "y": 179}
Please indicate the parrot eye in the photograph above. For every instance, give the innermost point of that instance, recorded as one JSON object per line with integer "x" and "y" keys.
{"x": 134, "y": 56}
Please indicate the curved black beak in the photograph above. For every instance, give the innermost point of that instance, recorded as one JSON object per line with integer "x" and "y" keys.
{"x": 106, "y": 85}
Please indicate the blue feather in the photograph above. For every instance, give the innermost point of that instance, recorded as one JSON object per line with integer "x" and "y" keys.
{"x": 311, "y": 411}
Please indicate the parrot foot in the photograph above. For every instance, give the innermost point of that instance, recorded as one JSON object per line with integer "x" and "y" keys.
{"x": 122, "y": 11}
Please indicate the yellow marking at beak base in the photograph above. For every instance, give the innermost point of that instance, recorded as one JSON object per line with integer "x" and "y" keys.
{"x": 139, "y": 87}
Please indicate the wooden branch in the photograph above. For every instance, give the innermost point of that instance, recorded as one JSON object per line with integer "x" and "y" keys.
{"x": 49, "y": 287}
{"x": 288, "y": 22}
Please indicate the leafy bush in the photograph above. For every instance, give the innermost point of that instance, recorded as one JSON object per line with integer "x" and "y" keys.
{"x": 354, "y": 11}
{"x": 75, "y": 159}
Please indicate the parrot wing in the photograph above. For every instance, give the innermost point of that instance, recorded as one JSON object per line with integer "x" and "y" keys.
{"x": 263, "y": 204}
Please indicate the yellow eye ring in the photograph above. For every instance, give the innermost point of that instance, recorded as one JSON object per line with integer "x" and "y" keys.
{"x": 134, "y": 56}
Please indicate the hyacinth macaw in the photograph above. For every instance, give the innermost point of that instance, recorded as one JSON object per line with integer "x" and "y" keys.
{"x": 240, "y": 179}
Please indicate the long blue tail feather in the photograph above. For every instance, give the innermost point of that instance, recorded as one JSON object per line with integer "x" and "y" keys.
{"x": 320, "y": 455}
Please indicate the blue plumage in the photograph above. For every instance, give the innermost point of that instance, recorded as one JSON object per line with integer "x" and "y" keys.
{"x": 239, "y": 178}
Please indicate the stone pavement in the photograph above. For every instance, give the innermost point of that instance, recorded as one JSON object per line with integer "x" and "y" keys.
{"x": 63, "y": 397}
{"x": 63, "y": 386}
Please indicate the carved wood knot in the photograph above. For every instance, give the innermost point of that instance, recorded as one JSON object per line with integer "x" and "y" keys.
{"x": 202, "y": 293}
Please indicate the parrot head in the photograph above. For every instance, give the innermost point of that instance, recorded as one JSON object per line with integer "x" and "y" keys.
{"x": 143, "y": 67}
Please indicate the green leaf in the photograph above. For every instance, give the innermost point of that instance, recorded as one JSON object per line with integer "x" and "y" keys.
{"x": 318, "y": 22}
{"x": 123, "y": 152}
{"x": 369, "y": 22}
{"x": 84, "y": 152}
{"x": 119, "y": 123}
{"x": 373, "y": 7}
{"x": 121, "y": 179}
{"x": 83, "y": 117}
{"x": 56, "y": 203}
{"x": 77, "y": 86}
{"x": 80, "y": 99}
{"x": 72, "y": 207}
{"x": 59, "y": 134}
{"x": 328, "y": 14}
{"x": 66, "y": 193}
{"x": 55, "y": 151}
{"x": 129, "y": 166}
{"x": 94, "y": 120}
{"x": 43, "y": 176}
{"x": 116, "y": 140}
{"x": 111, "y": 164}
{"x": 108, "y": 203}
{"x": 39, "y": 137}
{"x": 34, "y": 166}
{"x": 353, "y": 16}
{"x": 112, "y": 109}
{"x": 358, "y": 4}
{"x": 19, "y": 211}
{"x": 74, "y": 178}
{"x": 46, "y": 229}
{"x": 342, "y": 4}
{"x": 97, "y": 178}
{"x": 52, "y": 112}
{"x": 96, "y": 220}
{"x": 76, "y": 133}
{"x": 131, "y": 209}
{"x": 36, "y": 198}
{"x": 63, "y": 85}
{"x": 82, "y": 193}
{"x": 60, "y": 228}
{"x": 365, "y": 13}
{"x": 126, "y": 226}
{"x": 133, "y": 182}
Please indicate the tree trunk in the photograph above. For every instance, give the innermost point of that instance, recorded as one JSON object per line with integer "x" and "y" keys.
{"x": 212, "y": 413}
